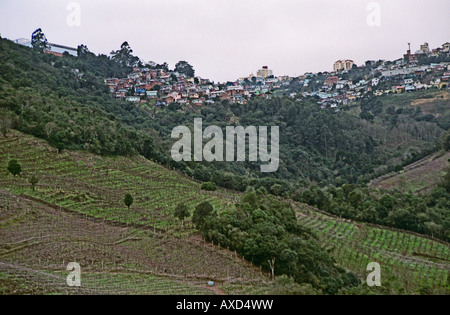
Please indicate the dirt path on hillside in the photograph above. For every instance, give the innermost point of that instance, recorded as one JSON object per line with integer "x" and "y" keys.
{"x": 215, "y": 289}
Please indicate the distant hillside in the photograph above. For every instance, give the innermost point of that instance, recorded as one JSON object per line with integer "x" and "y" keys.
{"x": 66, "y": 102}
{"x": 419, "y": 177}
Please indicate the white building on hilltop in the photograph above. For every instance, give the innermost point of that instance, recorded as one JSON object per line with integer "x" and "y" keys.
{"x": 54, "y": 49}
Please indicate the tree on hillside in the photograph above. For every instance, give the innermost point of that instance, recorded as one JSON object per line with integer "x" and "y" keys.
{"x": 14, "y": 167}
{"x": 202, "y": 211}
{"x": 83, "y": 51}
{"x": 209, "y": 186}
{"x": 60, "y": 147}
{"x": 128, "y": 200}
{"x": 446, "y": 141}
{"x": 276, "y": 189}
{"x": 182, "y": 212}
{"x": 185, "y": 68}
{"x": 33, "y": 181}
{"x": 446, "y": 181}
{"x": 124, "y": 57}
{"x": 271, "y": 263}
{"x": 164, "y": 66}
{"x": 39, "y": 41}
{"x": 5, "y": 124}
{"x": 398, "y": 168}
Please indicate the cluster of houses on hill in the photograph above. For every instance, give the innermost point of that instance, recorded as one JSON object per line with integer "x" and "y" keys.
{"x": 346, "y": 84}
{"x": 161, "y": 88}
{"x": 384, "y": 79}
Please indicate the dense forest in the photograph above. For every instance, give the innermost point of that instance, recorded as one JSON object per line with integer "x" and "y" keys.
{"x": 326, "y": 156}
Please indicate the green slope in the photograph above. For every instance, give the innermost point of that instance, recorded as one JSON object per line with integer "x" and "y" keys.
{"x": 77, "y": 214}
{"x": 413, "y": 260}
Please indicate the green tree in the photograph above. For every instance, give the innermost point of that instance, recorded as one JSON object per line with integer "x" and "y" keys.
{"x": 14, "y": 167}
{"x": 173, "y": 78}
{"x": 83, "y": 52}
{"x": 185, "y": 68}
{"x": 182, "y": 212}
{"x": 276, "y": 189}
{"x": 446, "y": 181}
{"x": 5, "y": 124}
{"x": 60, "y": 147}
{"x": 202, "y": 211}
{"x": 446, "y": 141}
{"x": 128, "y": 200}
{"x": 33, "y": 181}
{"x": 398, "y": 168}
{"x": 202, "y": 173}
{"x": 356, "y": 198}
{"x": 209, "y": 186}
{"x": 39, "y": 41}
{"x": 124, "y": 56}
{"x": 164, "y": 66}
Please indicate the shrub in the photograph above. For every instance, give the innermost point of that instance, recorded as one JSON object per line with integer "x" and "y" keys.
{"x": 182, "y": 212}
{"x": 209, "y": 186}
{"x": 128, "y": 200}
{"x": 33, "y": 181}
{"x": 14, "y": 167}
{"x": 398, "y": 168}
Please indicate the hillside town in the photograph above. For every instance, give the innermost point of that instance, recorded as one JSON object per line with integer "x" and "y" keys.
{"x": 344, "y": 85}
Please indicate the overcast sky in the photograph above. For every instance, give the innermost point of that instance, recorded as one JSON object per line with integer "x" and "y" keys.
{"x": 228, "y": 39}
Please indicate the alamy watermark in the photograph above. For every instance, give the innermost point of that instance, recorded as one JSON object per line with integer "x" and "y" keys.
{"x": 214, "y": 149}
{"x": 374, "y": 17}
{"x": 74, "y": 17}
{"x": 74, "y": 278}
{"x": 374, "y": 278}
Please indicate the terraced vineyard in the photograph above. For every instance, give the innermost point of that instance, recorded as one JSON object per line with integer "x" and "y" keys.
{"x": 96, "y": 186}
{"x": 31, "y": 281}
{"x": 77, "y": 214}
{"x": 38, "y": 241}
{"x": 418, "y": 261}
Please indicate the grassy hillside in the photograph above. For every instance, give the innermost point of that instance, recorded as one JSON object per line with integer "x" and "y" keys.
{"x": 77, "y": 214}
